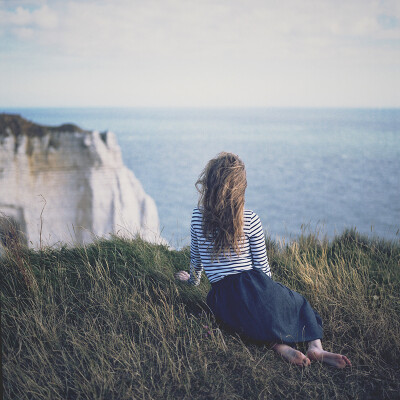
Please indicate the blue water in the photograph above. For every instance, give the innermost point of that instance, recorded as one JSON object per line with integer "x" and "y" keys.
{"x": 320, "y": 170}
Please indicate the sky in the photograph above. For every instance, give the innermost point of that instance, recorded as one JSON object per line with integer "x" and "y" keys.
{"x": 200, "y": 53}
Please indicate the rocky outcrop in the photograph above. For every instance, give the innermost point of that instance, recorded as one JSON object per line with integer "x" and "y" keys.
{"x": 68, "y": 185}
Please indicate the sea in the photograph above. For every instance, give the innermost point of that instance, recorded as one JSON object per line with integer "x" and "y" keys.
{"x": 319, "y": 171}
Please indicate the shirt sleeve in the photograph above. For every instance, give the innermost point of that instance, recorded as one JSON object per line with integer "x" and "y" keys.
{"x": 257, "y": 245}
{"x": 196, "y": 267}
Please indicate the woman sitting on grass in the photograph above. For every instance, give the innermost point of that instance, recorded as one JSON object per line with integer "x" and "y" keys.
{"x": 229, "y": 243}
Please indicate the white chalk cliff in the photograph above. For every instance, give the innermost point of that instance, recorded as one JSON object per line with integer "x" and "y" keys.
{"x": 67, "y": 185}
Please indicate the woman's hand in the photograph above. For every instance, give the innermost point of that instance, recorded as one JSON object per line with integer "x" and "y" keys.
{"x": 182, "y": 276}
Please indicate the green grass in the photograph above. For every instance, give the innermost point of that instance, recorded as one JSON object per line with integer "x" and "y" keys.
{"x": 108, "y": 321}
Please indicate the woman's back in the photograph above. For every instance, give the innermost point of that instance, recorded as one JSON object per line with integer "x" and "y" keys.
{"x": 252, "y": 250}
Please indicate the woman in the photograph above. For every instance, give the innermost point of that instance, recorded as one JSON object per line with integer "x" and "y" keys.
{"x": 228, "y": 242}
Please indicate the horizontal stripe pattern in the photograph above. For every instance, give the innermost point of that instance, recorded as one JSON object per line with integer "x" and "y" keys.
{"x": 253, "y": 252}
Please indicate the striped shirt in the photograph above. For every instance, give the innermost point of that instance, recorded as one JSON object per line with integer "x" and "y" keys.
{"x": 253, "y": 252}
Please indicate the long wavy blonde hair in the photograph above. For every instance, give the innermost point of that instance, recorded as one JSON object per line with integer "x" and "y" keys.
{"x": 222, "y": 185}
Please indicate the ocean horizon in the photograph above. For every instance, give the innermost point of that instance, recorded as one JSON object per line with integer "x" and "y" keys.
{"x": 320, "y": 170}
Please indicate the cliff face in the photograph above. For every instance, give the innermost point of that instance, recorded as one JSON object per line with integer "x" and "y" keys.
{"x": 64, "y": 184}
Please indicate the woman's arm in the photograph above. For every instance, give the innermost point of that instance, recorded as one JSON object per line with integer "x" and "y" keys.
{"x": 196, "y": 267}
{"x": 257, "y": 245}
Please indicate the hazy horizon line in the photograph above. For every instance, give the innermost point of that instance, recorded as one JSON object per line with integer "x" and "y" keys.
{"x": 202, "y": 107}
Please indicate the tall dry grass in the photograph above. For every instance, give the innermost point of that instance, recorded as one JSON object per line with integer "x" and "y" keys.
{"x": 108, "y": 321}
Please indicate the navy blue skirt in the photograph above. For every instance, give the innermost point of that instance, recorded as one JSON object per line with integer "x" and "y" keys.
{"x": 254, "y": 305}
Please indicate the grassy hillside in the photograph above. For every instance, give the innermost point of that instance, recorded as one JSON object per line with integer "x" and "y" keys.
{"x": 108, "y": 321}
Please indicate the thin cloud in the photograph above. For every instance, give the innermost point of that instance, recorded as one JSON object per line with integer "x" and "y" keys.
{"x": 207, "y": 45}
{"x": 42, "y": 18}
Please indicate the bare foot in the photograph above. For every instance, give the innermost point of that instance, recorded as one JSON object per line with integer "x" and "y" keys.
{"x": 290, "y": 354}
{"x": 316, "y": 353}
